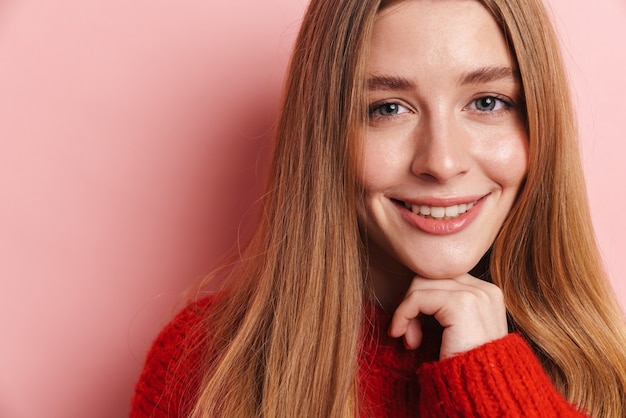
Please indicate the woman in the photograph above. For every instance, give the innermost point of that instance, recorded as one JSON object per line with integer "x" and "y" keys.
{"x": 426, "y": 184}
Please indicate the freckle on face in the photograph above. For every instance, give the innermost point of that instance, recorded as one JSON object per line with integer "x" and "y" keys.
{"x": 437, "y": 147}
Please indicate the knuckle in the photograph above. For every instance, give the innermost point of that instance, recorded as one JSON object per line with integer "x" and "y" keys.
{"x": 411, "y": 296}
{"x": 495, "y": 293}
{"x": 467, "y": 298}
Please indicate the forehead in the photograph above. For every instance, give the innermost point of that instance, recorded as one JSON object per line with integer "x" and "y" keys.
{"x": 438, "y": 33}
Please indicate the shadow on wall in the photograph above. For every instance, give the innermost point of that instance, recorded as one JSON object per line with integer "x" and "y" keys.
{"x": 134, "y": 142}
{"x": 226, "y": 178}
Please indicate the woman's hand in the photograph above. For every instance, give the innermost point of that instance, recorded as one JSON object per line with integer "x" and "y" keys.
{"x": 470, "y": 310}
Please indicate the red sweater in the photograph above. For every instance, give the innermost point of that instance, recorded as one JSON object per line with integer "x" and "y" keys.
{"x": 499, "y": 379}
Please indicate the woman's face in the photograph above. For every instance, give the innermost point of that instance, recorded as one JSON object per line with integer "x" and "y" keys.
{"x": 445, "y": 150}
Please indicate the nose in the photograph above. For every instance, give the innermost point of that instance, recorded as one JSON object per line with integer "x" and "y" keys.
{"x": 441, "y": 149}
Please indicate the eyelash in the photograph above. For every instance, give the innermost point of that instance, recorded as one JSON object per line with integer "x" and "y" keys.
{"x": 506, "y": 105}
{"x": 377, "y": 107}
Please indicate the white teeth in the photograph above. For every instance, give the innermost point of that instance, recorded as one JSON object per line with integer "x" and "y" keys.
{"x": 452, "y": 211}
{"x": 438, "y": 212}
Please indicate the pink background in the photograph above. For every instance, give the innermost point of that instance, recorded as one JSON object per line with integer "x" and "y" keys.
{"x": 133, "y": 140}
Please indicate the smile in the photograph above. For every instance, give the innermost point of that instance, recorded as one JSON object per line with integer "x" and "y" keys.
{"x": 439, "y": 212}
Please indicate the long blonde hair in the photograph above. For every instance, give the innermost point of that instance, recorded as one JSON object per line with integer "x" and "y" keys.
{"x": 546, "y": 258}
{"x": 285, "y": 339}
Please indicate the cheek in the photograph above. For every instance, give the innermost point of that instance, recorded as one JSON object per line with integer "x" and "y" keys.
{"x": 377, "y": 167}
{"x": 386, "y": 157}
{"x": 507, "y": 160}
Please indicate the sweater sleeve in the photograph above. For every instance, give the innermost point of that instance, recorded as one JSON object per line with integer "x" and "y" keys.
{"x": 502, "y": 378}
{"x": 171, "y": 375}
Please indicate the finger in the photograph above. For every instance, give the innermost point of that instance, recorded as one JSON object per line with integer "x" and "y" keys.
{"x": 447, "y": 306}
{"x": 456, "y": 283}
{"x": 483, "y": 285}
{"x": 425, "y": 301}
{"x": 408, "y": 310}
{"x": 413, "y": 336}
{"x": 487, "y": 291}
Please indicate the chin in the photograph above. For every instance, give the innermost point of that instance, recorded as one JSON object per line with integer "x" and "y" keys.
{"x": 438, "y": 274}
{"x": 447, "y": 269}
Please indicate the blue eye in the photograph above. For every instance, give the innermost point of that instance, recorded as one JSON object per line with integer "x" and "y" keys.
{"x": 489, "y": 104}
{"x": 386, "y": 109}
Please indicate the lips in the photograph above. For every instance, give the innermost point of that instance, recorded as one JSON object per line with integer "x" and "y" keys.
{"x": 440, "y": 216}
{"x": 439, "y": 212}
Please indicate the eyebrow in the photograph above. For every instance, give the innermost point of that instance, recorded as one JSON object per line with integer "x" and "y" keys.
{"x": 489, "y": 74}
{"x": 481, "y": 75}
{"x": 380, "y": 82}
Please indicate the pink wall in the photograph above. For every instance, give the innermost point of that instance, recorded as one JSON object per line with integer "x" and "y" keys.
{"x": 132, "y": 138}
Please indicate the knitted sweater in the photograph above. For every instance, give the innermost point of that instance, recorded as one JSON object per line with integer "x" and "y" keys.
{"x": 502, "y": 378}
